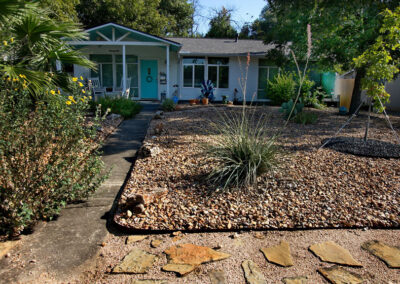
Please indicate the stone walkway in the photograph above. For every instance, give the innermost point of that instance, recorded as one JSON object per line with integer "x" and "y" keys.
{"x": 60, "y": 250}
{"x": 313, "y": 256}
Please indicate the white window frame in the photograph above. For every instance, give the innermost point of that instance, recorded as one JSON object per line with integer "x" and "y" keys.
{"x": 193, "y": 70}
{"x": 264, "y": 67}
{"x": 216, "y": 85}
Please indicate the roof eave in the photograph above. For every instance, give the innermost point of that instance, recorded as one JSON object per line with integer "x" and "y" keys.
{"x": 221, "y": 54}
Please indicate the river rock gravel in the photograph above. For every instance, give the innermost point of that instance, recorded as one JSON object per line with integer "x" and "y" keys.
{"x": 310, "y": 188}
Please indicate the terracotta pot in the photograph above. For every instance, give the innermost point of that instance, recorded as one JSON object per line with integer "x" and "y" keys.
{"x": 204, "y": 101}
{"x": 197, "y": 101}
{"x": 192, "y": 102}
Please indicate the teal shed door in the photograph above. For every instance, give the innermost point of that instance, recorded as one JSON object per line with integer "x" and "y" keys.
{"x": 148, "y": 79}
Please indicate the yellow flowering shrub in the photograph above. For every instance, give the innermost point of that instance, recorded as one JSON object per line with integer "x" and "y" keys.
{"x": 53, "y": 158}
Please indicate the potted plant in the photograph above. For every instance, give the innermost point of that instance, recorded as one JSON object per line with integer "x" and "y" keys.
{"x": 207, "y": 92}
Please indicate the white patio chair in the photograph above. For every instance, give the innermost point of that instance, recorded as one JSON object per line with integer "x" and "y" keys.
{"x": 128, "y": 87}
{"x": 96, "y": 86}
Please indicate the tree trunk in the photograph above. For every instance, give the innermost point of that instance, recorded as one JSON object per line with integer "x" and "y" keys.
{"x": 356, "y": 97}
{"x": 369, "y": 118}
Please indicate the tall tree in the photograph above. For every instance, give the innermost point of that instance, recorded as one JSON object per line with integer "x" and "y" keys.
{"x": 62, "y": 10}
{"x": 220, "y": 25}
{"x": 158, "y": 17}
{"x": 252, "y": 30}
{"x": 341, "y": 31}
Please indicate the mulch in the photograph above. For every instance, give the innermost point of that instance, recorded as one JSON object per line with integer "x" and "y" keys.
{"x": 310, "y": 188}
{"x": 369, "y": 148}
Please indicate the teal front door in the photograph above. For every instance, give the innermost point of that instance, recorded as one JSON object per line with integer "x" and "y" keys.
{"x": 148, "y": 79}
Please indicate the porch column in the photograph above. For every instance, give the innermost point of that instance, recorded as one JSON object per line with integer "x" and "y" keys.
{"x": 123, "y": 70}
{"x": 167, "y": 71}
{"x": 58, "y": 65}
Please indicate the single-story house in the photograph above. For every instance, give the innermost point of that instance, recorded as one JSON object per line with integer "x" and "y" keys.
{"x": 160, "y": 67}
{"x": 153, "y": 67}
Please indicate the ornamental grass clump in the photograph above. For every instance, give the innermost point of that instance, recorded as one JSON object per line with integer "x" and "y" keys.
{"x": 242, "y": 150}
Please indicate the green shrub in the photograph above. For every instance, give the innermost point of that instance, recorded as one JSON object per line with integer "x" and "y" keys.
{"x": 287, "y": 107}
{"x": 168, "y": 105}
{"x": 241, "y": 150}
{"x": 306, "y": 87}
{"x": 305, "y": 118}
{"x": 282, "y": 88}
{"x": 48, "y": 155}
{"x": 127, "y": 108}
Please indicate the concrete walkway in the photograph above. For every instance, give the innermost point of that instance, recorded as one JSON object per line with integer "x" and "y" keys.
{"x": 61, "y": 250}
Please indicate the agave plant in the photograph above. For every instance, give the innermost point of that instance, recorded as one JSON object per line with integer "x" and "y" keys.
{"x": 31, "y": 43}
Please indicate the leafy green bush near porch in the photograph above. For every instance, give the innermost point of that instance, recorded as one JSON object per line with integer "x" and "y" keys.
{"x": 127, "y": 108}
{"x": 282, "y": 88}
{"x": 168, "y": 105}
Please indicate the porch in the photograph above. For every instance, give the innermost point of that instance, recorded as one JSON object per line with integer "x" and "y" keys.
{"x": 129, "y": 62}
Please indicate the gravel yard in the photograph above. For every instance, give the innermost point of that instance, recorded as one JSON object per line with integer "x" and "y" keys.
{"x": 308, "y": 189}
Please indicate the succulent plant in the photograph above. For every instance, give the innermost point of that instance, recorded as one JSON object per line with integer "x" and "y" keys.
{"x": 287, "y": 107}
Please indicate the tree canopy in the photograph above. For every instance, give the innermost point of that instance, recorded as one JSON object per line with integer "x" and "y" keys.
{"x": 341, "y": 31}
{"x": 220, "y": 25}
{"x": 158, "y": 17}
{"x": 62, "y": 10}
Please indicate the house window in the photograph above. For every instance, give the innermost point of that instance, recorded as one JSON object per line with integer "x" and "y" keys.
{"x": 193, "y": 72}
{"x": 218, "y": 71}
{"x": 265, "y": 72}
{"x": 104, "y": 69}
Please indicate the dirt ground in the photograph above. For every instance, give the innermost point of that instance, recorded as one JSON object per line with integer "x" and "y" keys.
{"x": 246, "y": 246}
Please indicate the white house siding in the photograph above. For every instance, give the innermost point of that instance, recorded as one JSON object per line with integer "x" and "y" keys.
{"x": 142, "y": 52}
{"x": 393, "y": 89}
{"x": 237, "y": 69}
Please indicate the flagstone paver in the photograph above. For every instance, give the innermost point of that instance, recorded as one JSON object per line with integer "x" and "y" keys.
{"x": 338, "y": 275}
{"x": 279, "y": 254}
{"x": 390, "y": 255}
{"x": 134, "y": 239}
{"x": 180, "y": 269}
{"x": 186, "y": 257}
{"x": 137, "y": 262}
{"x": 333, "y": 253}
{"x": 295, "y": 280}
{"x": 252, "y": 273}
{"x": 217, "y": 277}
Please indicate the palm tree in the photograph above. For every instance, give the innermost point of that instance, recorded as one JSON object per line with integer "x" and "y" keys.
{"x": 32, "y": 42}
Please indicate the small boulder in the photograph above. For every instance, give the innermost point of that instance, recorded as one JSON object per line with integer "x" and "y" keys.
{"x": 113, "y": 116}
{"x": 158, "y": 114}
{"x": 158, "y": 129}
{"x": 148, "y": 150}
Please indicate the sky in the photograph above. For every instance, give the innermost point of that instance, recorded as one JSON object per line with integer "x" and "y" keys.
{"x": 244, "y": 11}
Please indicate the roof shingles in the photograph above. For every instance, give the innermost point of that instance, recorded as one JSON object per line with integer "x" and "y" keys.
{"x": 213, "y": 46}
